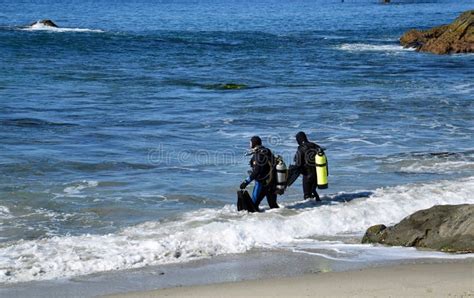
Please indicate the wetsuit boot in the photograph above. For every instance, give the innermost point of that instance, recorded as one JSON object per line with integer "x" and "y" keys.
{"x": 316, "y": 196}
{"x": 308, "y": 186}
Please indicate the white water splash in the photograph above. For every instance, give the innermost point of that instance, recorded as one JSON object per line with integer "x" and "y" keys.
{"x": 360, "y": 47}
{"x": 433, "y": 164}
{"x": 209, "y": 232}
{"x": 76, "y": 188}
{"x": 41, "y": 27}
{"x": 5, "y": 212}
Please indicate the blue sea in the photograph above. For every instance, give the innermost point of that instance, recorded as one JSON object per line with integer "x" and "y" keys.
{"x": 122, "y": 144}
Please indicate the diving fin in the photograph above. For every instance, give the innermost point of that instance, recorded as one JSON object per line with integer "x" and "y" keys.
{"x": 293, "y": 174}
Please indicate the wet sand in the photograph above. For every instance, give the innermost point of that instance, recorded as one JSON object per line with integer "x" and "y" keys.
{"x": 453, "y": 279}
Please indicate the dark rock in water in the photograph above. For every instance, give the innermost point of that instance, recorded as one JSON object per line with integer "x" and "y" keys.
{"x": 233, "y": 86}
{"x": 48, "y": 23}
{"x": 457, "y": 37}
{"x": 229, "y": 86}
{"x": 448, "y": 228}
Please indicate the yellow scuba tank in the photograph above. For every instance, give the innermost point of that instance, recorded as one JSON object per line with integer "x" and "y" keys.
{"x": 321, "y": 169}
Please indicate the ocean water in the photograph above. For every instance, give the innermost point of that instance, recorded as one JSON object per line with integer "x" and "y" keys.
{"x": 121, "y": 146}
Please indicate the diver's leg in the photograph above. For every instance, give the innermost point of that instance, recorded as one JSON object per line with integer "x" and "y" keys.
{"x": 272, "y": 199}
{"x": 316, "y": 195}
{"x": 308, "y": 186}
{"x": 257, "y": 194}
{"x": 314, "y": 187}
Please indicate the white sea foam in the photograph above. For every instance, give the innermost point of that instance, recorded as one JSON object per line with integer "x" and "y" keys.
{"x": 76, "y": 188}
{"x": 363, "y": 253}
{"x": 42, "y": 27}
{"x": 463, "y": 88}
{"x": 433, "y": 164}
{"x": 5, "y": 212}
{"x": 208, "y": 232}
{"x": 439, "y": 167}
{"x": 359, "y": 47}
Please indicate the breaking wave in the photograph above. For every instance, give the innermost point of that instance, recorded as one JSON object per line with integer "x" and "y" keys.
{"x": 431, "y": 163}
{"x": 76, "y": 188}
{"x": 4, "y": 212}
{"x": 216, "y": 231}
{"x": 41, "y": 27}
{"x": 362, "y": 47}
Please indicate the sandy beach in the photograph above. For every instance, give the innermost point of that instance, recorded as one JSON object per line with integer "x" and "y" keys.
{"x": 454, "y": 279}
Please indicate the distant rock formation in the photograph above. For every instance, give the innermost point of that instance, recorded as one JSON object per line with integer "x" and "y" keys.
{"x": 47, "y": 23}
{"x": 457, "y": 37}
{"x": 448, "y": 228}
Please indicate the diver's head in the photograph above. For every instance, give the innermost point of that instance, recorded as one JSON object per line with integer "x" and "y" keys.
{"x": 255, "y": 141}
{"x": 301, "y": 138}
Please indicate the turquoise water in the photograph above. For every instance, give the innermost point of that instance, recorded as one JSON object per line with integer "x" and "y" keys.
{"x": 119, "y": 124}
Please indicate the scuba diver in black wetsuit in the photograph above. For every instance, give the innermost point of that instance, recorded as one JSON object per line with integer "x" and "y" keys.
{"x": 262, "y": 164}
{"x": 305, "y": 163}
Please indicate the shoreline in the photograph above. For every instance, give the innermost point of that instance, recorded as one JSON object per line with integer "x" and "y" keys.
{"x": 432, "y": 279}
{"x": 252, "y": 267}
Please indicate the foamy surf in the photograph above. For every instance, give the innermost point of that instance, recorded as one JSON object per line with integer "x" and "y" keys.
{"x": 339, "y": 251}
{"x": 76, "y": 188}
{"x": 430, "y": 163}
{"x": 361, "y": 47}
{"x": 4, "y": 212}
{"x": 209, "y": 232}
{"x": 42, "y": 27}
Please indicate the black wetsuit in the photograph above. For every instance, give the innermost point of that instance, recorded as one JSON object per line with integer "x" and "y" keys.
{"x": 305, "y": 162}
{"x": 261, "y": 163}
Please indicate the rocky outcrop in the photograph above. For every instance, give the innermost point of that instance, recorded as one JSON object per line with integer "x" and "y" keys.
{"x": 47, "y": 23}
{"x": 229, "y": 86}
{"x": 448, "y": 228}
{"x": 457, "y": 37}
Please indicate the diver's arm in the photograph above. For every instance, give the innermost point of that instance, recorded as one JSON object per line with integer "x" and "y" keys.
{"x": 256, "y": 169}
{"x": 249, "y": 179}
{"x": 253, "y": 174}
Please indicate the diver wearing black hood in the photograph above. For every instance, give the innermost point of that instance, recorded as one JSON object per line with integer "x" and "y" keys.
{"x": 305, "y": 162}
{"x": 262, "y": 162}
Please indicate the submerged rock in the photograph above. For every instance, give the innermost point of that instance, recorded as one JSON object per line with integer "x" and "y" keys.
{"x": 228, "y": 86}
{"x": 233, "y": 86}
{"x": 457, "y": 37}
{"x": 47, "y": 23}
{"x": 448, "y": 228}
